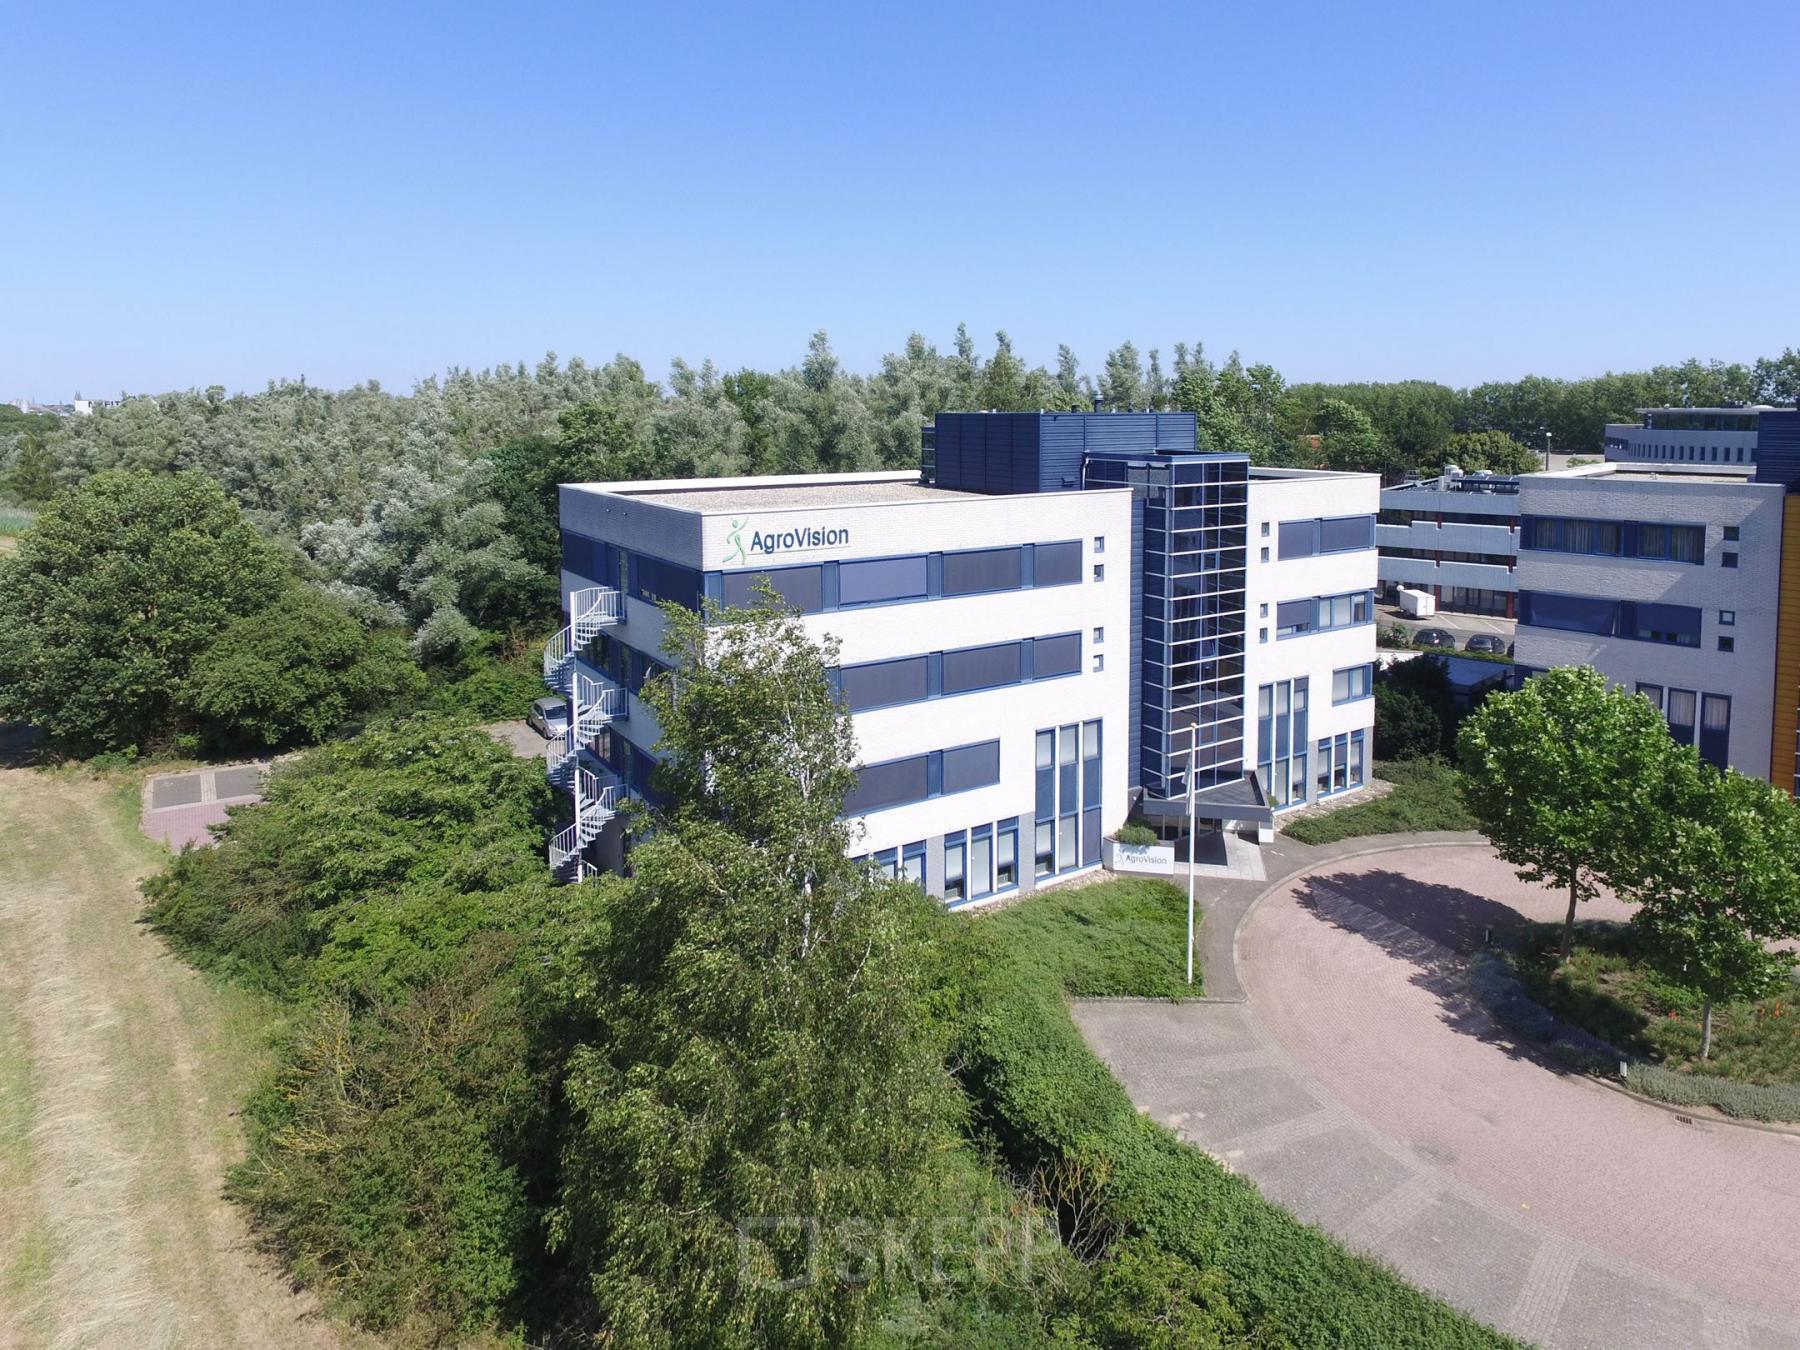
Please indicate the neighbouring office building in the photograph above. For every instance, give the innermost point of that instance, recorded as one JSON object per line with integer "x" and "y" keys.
{"x": 1058, "y": 620}
{"x": 1455, "y": 536}
{"x": 1665, "y": 582}
{"x": 1724, "y": 435}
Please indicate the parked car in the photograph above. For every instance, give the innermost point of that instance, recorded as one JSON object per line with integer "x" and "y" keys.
{"x": 1485, "y": 642}
{"x": 548, "y": 717}
{"x": 1435, "y": 637}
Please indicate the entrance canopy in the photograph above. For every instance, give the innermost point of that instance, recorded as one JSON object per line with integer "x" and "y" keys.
{"x": 1242, "y": 799}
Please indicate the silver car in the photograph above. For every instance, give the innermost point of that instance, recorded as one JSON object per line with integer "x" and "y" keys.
{"x": 548, "y": 717}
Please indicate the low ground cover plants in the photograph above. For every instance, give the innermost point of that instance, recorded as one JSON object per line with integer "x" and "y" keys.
{"x": 1426, "y": 796}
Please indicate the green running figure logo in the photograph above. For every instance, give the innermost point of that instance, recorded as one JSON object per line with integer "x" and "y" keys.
{"x": 736, "y": 539}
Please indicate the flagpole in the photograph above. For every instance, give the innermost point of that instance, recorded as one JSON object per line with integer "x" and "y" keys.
{"x": 1193, "y": 751}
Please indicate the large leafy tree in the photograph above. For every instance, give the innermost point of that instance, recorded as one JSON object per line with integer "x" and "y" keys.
{"x": 113, "y": 596}
{"x": 294, "y": 672}
{"x": 1492, "y": 450}
{"x": 1720, "y": 885}
{"x": 763, "y": 1067}
{"x": 1565, "y": 776}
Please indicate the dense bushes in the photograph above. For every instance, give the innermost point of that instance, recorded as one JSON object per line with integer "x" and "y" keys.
{"x": 142, "y": 608}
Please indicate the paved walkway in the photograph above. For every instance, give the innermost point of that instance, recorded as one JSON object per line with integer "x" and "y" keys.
{"x": 1353, "y": 1079}
{"x": 181, "y": 808}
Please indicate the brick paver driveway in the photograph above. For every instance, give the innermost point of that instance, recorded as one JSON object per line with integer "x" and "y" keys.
{"x": 1361, "y": 1089}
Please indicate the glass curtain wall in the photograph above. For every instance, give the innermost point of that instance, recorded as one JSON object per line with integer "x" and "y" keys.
{"x": 1191, "y": 669}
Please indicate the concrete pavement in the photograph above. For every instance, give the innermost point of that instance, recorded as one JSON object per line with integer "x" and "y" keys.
{"x": 1351, "y": 1076}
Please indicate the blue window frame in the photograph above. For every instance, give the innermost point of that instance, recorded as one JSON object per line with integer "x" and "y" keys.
{"x": 878, "y": 581}
{"x": 801, "y": 587}
{"x": 1323, "y": 613}
{"x": 1330, "y": 534}
{"x": 980, "y": 571}
{"x": 1057, "y": 564}
{"x": 1352, "y": 683}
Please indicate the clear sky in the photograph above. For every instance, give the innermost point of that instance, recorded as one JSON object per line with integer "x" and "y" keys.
{"x": 194, "y": 195}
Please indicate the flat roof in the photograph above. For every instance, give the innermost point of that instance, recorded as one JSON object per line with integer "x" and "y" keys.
{"x": 775, "y": 492}
{"x": 1727, "y": 408}
{"x": 1273, "y": 475}
{"x": 1651, "y": 471}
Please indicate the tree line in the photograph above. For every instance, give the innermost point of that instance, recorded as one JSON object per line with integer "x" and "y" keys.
{"x": 433, "y": 512}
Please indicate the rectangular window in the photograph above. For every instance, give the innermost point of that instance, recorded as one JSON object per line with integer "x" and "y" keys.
{"x": 653, "y": 580}
{"x": 1671, "y": 543}
{"x": 1727, "y": 617}
{"x": 1059, "y": 655}
{"x": 1731, "y": 534}
{"x": 882, "y": 684}
{"x": 1045, "y": 849}
{"x": 1297, "y": 539}
{"x": 981, "y": 570}
{"x": 1099, "y": 571}
{"x": 1681, "y": 715}
{"x": 801, "y": 587}
{"x": 1715, "y": 729}
{"x": 1653, "y": 692}
{"x": 893, "y": 783}
{"x": 1006, "y": 856}
{"x": 1058, "y": 564}
{"x": 1727, "y": 644}
{"x": 1099, "y": 662}
{"x": 1067, "y": 853}
{"x": 981, "y": 861}
{"x": 912, "y": 863}
{"x": 955, "y": 861}
{"x": 971, "y": 766}
{"x": 1294, "y": 617}
{"x": 1350, "y": 684}
{"x": 1728, "y": 560}
{"x": 1677, "y": 625}
{"x": 1322, "y": 767}
{"x": 981, "y": 667}
{"x": 1100, "y": 543}
{"x": 1099, "y": 636}
{"x": 1571, "y": 613}
{"x": 1344, "y": 534}
{"x": 881, "y": 579}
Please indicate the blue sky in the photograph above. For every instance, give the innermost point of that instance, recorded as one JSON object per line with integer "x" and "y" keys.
{"x": 196, "y": 195}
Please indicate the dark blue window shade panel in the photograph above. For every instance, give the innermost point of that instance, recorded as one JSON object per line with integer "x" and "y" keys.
{"x": 1571, "y": 613}
{"x": 1295, "y": 616}
{"x": 1090, "y": 838}
{"x": 971, "y": 766}
{"x": 895, "y": 783}
{"x": 653, "y": 580}
{"x": 882, "y": 579}
{"x": 1345, "y": 534}
{"x": 1678, "y": 625}
{"x": 1060, "y": 655}
{"x": 982, "y": 570}
{"x": 981, "y": 667}
{"x": 1058, "y": 564}
{"x": 586, "y": 557}
{"x": 882, "y": 684}
{"x": 801, "y": 587}
{"x": 1298, "y": 538}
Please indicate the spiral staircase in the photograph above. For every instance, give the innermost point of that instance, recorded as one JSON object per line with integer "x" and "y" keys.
{"x": 593, "y": 703}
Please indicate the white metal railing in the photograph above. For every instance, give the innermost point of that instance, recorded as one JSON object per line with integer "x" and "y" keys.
{"x": 591, "y": 609}
{"x": 596, "y": 802}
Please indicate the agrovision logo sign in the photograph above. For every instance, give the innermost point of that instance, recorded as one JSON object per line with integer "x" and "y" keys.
{"x": 792, "y": 539}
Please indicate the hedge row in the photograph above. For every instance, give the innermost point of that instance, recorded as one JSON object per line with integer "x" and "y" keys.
{"x": 1046, "y": 1099}
{"x": 1499, "y": 989}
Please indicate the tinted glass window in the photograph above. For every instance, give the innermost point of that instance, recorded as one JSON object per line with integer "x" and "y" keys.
{"x": 972, "y": 766}
{"x": 981, "y": 667}
{"x": 1298, "y": 538}
{"x": 989, "y": 569}
{"x": 891, "y": 784}
{"x": 1294, "y": 616}
{"x": 801, "y": 587}
{"x": 1056, "y": 656}
{"x": 1575, "y": 613}
{"x": 881, "y": 684}
{"x": 868, "y": 583}
{"x": 1345, "y": 533}
{"x": 653, "y": 579}
{"x": 1058, "y": 564}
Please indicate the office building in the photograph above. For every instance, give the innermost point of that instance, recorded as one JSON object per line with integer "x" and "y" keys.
{"x": 1667, "y": 581}
{"x": 1059, "y": 620}
{"x": 1725, "y": 435}
{"x": 1456, "y": 536}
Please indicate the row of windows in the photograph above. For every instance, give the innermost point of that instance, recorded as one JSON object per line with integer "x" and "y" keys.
{"x": 1295, "y": 618}
{"x": 1352, "y": 683}
{"x": 821, "y": 587}
{"x": 624, "y": 665}
{"x": 1395, "y": 516}
{"x": 1450, "y": 555}
{"x": 1641, "y": 621}
{"x": 1066, "y": 820}
{"x": 1617, "y": 538}
{"x": 1679, "y": 707}
{"x": 912, "y": 679}
{"x": 981, "y": 862}
{"x": 633, "y": 766}
{"x": 639, "y": 575}
{"x": 1281, "y": 739}
{"x": 918, "y": 778}
{"x": 1332, "y": 534}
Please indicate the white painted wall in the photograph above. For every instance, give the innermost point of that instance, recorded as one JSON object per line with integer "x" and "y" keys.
{"x": 1316, "y": 655}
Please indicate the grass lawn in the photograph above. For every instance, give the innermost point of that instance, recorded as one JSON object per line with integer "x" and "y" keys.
{"x": 1426, "y": 796}
{"x": 1120, "y": 937}
{"x": 1608, "y": 991}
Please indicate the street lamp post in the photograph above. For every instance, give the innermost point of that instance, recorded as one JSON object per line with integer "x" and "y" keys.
{"x": 1193, "y": 753}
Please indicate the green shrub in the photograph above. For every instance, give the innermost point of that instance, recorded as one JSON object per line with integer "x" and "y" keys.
{"x": 1119, "y": 938}
{"x": 1407, "y": 726}
{"x": 1135, "y": 834}
{"x": 495, "y": 686}
{"x": 1426, "y": 796}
